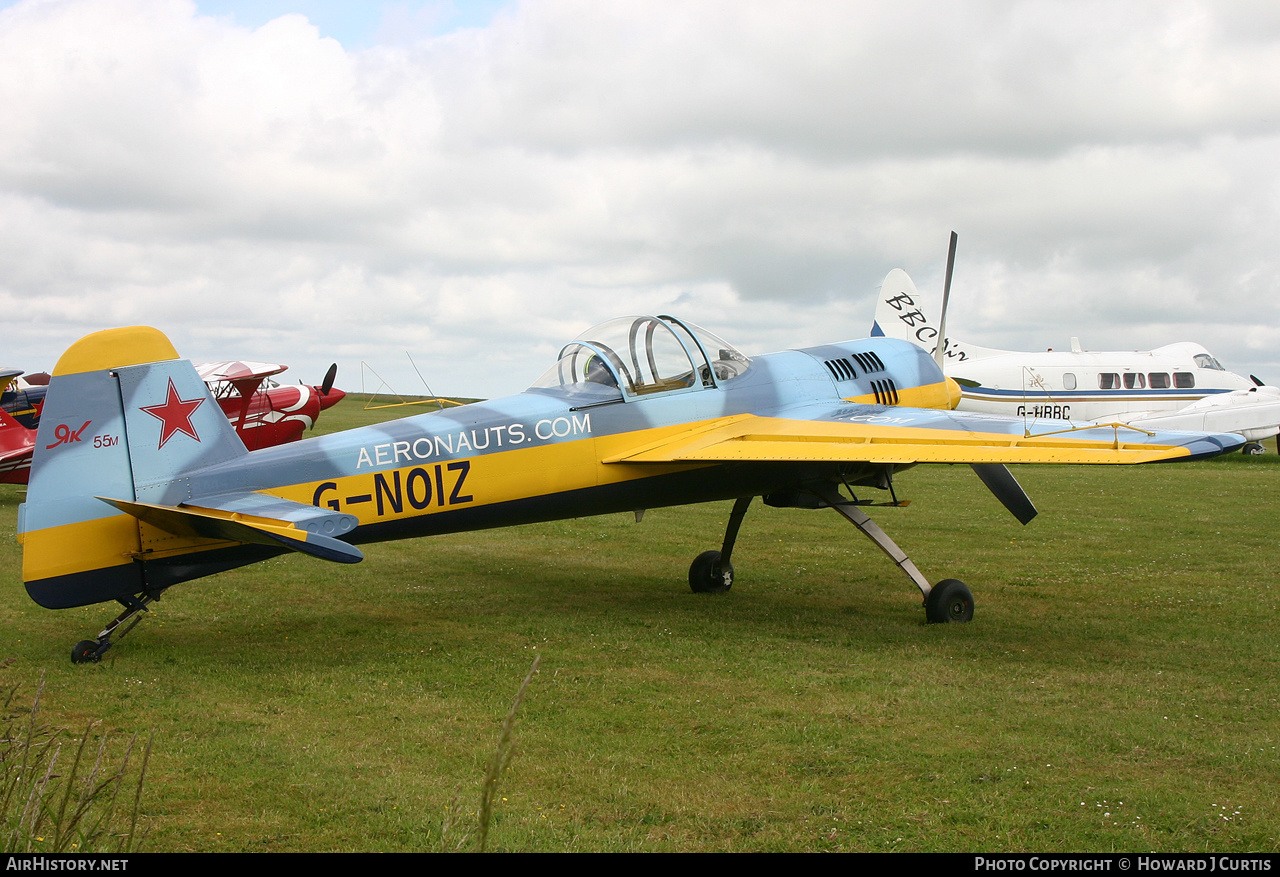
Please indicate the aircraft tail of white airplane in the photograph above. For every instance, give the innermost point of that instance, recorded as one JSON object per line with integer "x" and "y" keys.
{"x": 904, "y": 314}
{"x": 907, "y": 314}
{"x": 107, "y": 514}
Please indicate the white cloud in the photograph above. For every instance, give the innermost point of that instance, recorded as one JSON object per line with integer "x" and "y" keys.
{"x": 479, "y": 197}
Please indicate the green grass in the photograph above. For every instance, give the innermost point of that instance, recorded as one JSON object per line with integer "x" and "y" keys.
{"x": 1117, "y": 689}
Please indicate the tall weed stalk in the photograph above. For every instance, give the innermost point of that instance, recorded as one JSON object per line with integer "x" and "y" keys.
{"x": 47, "y": 805}
{"x": 453, "y": 836}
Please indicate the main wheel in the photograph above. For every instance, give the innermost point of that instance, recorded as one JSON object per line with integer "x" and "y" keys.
{"x": 707, "y": 575}
{"x": 950, "y": 600}
{"x": 85, "y": 652}
{"x": 1252, "y": 449}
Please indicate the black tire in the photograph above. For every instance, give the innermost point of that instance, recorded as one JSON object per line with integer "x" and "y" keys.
{"x": 950, "y": 600}
{"x": 708, "y": 576}
{"x": 85, "y": 652}
{"x": 1252, "y": 449}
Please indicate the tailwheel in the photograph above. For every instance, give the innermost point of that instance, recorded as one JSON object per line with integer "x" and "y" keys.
{"x": 88, "y": 651}
{"x": 708, "y": 575}
{"x": 949, "y": 600}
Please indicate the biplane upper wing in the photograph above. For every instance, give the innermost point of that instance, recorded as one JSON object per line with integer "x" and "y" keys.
{"x": 905, "y": 436}
{"x": 237, "y": 370}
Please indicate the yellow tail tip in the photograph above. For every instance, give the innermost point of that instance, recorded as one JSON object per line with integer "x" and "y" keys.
{"x": 115, "y": 348}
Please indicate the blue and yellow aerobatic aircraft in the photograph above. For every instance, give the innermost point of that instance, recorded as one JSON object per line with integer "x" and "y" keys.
{"x": 139, "y": 482}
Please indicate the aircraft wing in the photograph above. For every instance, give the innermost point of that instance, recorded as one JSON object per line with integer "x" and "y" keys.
{"x": 1254, "y": 413}
{"x": 237, "y": 370}
{"x": 902, "y": 436}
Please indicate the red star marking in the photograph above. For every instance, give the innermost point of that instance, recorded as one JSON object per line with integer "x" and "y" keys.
{"x": 174, "y": 415}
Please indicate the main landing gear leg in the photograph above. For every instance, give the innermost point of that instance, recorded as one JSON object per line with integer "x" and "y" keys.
{"x": 949, "y": 600}
{"x": 711, "y": 571}
{"x": 89, "y": 651}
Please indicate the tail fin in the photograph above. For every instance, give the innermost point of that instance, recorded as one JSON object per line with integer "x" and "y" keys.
{"x": 905, "y": 313}
{"x": 902, "y": 312}
{"x": 124, "y": 419}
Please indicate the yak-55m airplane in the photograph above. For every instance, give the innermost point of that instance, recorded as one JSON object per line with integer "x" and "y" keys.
{"x": 139, "y": 482}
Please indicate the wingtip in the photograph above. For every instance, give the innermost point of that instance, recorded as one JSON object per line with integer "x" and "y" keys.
{"x": 1213, "y": 445}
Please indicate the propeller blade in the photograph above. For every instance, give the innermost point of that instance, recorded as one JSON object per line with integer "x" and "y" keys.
{"x": 1254, "y": 378}
{"x": 329, "y": 377}
{"x": 1000, "y": 481}
{"x": 940, "y": 350}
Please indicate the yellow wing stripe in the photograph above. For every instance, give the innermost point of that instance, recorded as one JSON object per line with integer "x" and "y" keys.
{"x": 747, "y": 438}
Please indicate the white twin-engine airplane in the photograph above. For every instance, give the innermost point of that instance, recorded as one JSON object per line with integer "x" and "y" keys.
{"x": 1179, "y": 386}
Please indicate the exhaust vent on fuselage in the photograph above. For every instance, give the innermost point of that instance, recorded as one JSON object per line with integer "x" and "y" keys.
{"x": 841, "y": 369}
{"x": 869, "y": 362}
{"x": 886, "y": 392}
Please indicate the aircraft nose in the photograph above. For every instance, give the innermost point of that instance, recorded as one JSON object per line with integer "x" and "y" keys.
{"x": 333, "y": 397}
{"x": 953, "y": 393}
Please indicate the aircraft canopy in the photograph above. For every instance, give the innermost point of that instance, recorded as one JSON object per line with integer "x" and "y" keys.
{"x": 632, "y": 357}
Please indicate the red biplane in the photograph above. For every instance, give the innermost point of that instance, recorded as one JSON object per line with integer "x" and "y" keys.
{"x": 263, "y": 412}
{"x": 20, "y": 405}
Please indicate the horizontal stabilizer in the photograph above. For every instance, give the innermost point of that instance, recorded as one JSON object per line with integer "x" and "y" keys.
{"x": 236, "y": 526}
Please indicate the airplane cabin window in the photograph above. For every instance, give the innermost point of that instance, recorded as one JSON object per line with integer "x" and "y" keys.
{"x": 1184, "y": 380}
{"x": 1108, "y": 381}
{"x": 1134, "y": 381}
{"x": 1068, "y": 381}
{"x": 1158, "y": 380}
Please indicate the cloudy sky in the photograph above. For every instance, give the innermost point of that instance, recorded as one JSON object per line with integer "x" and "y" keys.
{"x": 476, "y": 183}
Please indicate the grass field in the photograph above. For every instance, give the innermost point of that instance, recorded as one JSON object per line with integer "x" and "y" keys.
{"x": 1117, "y": 689}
